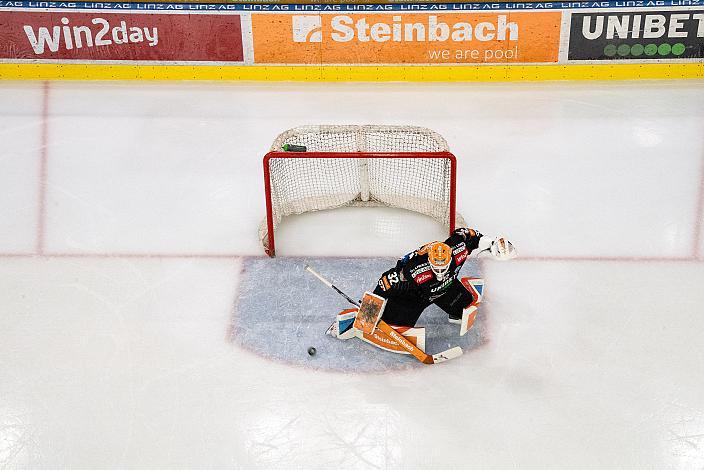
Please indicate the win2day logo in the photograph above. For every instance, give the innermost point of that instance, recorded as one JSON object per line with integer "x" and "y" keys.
{"x": 637, "y": 35}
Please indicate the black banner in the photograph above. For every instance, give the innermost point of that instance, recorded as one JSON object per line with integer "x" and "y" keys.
{"x": 677, "y": 34}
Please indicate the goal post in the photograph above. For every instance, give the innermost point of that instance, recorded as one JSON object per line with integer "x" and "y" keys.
{"x": 389, "y": 166}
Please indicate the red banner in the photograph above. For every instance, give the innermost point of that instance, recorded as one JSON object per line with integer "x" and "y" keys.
{"x": 121, "y": 36}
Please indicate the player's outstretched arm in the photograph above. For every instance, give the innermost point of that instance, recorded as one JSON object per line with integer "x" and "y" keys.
{"x": 467, "y": 235}
{"x": 498, "y": 247}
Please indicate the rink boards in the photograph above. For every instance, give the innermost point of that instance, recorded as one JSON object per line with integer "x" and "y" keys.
{"x": 376, "y": 42}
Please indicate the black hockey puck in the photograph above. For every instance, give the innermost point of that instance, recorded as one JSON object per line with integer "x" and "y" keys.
{"x": 311, "y": 351}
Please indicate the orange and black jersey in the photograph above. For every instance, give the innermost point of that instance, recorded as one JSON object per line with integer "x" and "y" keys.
{"x": 413, "y": 277}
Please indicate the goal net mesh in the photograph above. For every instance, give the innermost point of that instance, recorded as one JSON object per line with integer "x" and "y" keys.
{"x": 300, "y": 183}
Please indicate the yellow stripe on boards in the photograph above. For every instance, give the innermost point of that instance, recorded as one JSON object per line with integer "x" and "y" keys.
{"x": 340, "y": 73}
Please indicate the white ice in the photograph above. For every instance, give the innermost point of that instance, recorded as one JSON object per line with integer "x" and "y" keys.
{"x": 121, "y": 242}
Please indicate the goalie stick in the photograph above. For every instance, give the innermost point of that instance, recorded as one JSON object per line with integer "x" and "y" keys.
{"x": 331, "y": 286}
{"x": 389, "y": 333}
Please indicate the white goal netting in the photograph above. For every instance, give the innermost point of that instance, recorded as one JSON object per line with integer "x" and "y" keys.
{"x": 397, "y": 166}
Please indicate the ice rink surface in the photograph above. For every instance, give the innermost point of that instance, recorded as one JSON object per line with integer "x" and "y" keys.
{"x": 129, "y": 210}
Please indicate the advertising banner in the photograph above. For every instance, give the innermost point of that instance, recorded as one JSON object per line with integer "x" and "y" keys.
{"x": 641, "y": 35}
{"x": 372, "y": 41}
{"x": 406, "y": 38}
{"x": 102, "y": 36}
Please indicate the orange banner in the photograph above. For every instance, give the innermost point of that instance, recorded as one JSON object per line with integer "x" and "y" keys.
{"x": 406, "y": 38}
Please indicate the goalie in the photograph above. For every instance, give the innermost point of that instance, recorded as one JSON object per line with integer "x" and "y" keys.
{"x": 387, "y": 317}
{"x": 428, "y": 276}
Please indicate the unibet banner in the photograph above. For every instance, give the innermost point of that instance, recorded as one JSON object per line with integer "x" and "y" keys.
{"x": 642, "y": 35}
{"x": 406, "y": 38}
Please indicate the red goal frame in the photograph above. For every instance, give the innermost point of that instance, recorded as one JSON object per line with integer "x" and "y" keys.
{"x": 271, "y": 249}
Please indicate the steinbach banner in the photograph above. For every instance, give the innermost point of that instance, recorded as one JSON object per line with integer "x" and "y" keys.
{"x": 641, "y": 35}
{"x": 102, "y": 36}
{"x": 410, "y": 38}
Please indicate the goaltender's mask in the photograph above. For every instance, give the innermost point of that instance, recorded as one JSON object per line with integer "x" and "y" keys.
{"x": 439, "y": 256}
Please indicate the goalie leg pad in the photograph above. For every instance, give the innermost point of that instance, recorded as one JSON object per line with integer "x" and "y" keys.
{"x": 415, "y": 336}
{"x": 468, "y": 316}
{"x": 474, "y": 285}
{"x": 342, "y": 327}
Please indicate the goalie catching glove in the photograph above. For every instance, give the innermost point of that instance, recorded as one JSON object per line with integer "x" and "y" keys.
{"x": 500, "y": 248}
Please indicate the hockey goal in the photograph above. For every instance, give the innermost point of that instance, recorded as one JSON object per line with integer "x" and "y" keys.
{"x": 327, "y": 167}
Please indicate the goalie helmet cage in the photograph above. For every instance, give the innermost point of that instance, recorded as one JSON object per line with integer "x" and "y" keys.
{"x": 393, "y": 166}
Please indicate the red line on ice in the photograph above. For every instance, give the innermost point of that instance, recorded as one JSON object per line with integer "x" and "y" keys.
{"x": 632, "y": 259}
{"x": 125, "y": 255}
{"x": 699, "y": 217}
{"x": 44, "y": 143}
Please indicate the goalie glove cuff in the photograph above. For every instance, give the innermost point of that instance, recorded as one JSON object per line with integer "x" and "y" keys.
{"x": 485, "y": 244}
